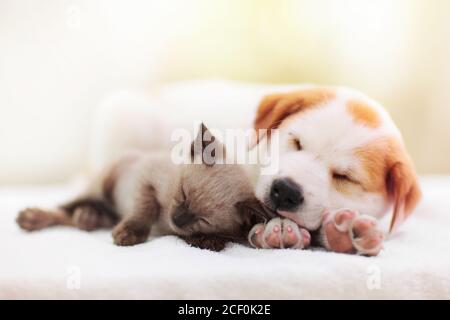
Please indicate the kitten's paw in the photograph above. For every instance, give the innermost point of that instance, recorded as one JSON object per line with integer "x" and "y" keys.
{"x": 86, "y": 218}
{"x": 347, "y": 231}
{"x": 208, "y": 242}
{"x": 129, "y": 233}
{"x": 279, "y": 233}
{"x": 33, "y": 219}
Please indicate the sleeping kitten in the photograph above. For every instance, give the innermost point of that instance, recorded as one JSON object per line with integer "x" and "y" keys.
{"x": 206, "y": 204}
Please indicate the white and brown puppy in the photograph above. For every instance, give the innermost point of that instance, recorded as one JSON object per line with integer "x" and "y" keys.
{"x": 207, "y": 204}
{"x": 338, "y": 149}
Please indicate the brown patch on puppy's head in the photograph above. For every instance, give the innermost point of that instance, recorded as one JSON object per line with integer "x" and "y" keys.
{"x": 363, "y": 113}
{"x": 275, "y": 108}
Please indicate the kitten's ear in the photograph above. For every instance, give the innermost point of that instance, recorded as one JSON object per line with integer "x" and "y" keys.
{"x": 207, "y": 147}
{"x": 255, "y": 210}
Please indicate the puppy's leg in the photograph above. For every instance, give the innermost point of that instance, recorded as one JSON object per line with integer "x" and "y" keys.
{"x": 279, "y": 233}
{"x": 135, "y": 228}
{"x": 84, "y": 213}
{"x": 346, "y": 231}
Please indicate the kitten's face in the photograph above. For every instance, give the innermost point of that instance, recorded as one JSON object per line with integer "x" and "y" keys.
{"x": 213, "y": 198}
{"x": 209, "y": 198}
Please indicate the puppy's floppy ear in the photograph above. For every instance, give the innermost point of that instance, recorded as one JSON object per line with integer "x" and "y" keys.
{"x": 402, "y": 187}
{"x": 275, "y": 108}
{"x": 267, "y": 117}
{"x": 207, "y": 147}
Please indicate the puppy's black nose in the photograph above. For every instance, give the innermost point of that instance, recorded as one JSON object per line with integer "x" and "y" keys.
{"x": 285, "y": 194}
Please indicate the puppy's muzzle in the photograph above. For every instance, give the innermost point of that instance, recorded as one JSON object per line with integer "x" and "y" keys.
{"x": 286, "y": 195}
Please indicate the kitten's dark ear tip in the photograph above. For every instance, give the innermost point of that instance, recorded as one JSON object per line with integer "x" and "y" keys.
{"x": 254, "y": 207}
{"x": 205, "y": 139}
{"x": 202, "y": 130}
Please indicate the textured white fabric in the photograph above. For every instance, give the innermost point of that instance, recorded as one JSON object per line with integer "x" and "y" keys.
{"x": 65, "y": 263}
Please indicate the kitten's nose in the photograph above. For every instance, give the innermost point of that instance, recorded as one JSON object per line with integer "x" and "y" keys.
{"x": 182, "y": 217}
{"x": 286, "y": 195}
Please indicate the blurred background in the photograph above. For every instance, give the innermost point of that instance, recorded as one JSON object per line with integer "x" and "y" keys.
{"x": 58, "y": 59}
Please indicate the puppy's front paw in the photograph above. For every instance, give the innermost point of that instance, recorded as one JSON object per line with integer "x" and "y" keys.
{"x": 33, "y": 219}
{"x": 129, "y": 233}
{"x": 346, "y": 231}
{"x": 279, "y": 233}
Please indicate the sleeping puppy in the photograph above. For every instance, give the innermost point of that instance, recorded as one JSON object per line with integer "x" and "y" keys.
{"x": 338, "y": 149}
{"x": 206, "y": 204}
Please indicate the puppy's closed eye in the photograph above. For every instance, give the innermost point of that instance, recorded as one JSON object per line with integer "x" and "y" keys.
{"x": 343, "y": 178}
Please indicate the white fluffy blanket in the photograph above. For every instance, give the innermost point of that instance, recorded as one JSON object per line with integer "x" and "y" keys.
{"x": 65, "y": 263}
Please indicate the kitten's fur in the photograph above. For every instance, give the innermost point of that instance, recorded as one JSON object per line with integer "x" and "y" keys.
{"x": 207, "y": 204}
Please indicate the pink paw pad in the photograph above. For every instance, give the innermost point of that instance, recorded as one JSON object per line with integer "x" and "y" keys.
{"x": 255, "y": 236}
{"x": 293, "y": 236}
{"x": 343, "y": 219}
{"x": 290, "y": 238}
{"x": 272, "y": 235}
{"x": 366, "y": 236}
{"x": 279, "y": 233}
{"x": 346, "y": 231}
